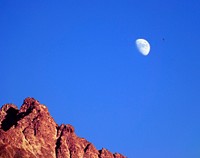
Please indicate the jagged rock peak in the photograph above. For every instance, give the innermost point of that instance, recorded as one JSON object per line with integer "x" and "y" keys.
{"x": 31, "y": 132}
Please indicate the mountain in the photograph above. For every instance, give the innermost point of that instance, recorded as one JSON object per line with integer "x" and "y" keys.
{"x": 31, "y": 132}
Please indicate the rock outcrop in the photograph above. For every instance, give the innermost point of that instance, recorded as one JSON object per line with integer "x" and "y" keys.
{"x": 30, "y": 132}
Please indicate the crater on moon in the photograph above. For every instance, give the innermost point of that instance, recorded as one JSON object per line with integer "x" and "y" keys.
{"x": 143, "y": 46}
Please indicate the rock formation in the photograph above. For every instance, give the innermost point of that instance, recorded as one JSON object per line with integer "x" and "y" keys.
{"x": 31, "y": 132}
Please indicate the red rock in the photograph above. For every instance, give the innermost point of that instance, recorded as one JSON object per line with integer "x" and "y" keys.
{"x": 31, "y": 132}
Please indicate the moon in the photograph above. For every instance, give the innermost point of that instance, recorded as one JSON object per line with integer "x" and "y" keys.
{"x": 143, "y": 46}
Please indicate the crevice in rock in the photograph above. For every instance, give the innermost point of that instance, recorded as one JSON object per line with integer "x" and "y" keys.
{"x": 25, "y": 135}
{"x": 100, "y": 153}
{"x": 87, "y": 146}
{"x": 58, "y": 141}
{"x": 21, "y": 115}
{"x": 10, "y": 119}
{"x": 35, "y": 132}
{"x": 35, "y": 125}
{"x": 70, "y": 152}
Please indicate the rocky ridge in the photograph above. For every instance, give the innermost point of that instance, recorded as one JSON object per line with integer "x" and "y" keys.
{"x": 30, "y": 132}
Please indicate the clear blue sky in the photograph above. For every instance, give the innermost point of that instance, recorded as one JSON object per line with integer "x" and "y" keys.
{"x": 79, "y": 58}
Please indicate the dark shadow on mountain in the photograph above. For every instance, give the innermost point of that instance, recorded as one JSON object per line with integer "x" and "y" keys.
{"x": 10, "y": 119}
{"x": 13, "y": 117}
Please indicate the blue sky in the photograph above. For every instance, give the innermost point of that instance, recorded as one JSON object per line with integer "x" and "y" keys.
{"x": 79, "y": 58}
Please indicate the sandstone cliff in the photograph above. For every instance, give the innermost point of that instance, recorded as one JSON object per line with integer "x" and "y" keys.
{"x": 31, "y": 132}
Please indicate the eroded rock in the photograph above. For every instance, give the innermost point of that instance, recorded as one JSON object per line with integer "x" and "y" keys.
{"x": 31, "y": 132}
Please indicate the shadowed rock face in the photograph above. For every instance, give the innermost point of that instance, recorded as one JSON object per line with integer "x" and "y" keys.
{"x": 31, "y": 132}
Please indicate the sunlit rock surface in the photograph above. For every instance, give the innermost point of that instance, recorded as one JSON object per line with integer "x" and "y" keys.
{"x": 30, "y": 132}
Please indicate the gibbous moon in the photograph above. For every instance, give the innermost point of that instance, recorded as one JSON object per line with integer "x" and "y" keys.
{"x": 143, "y": 46}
